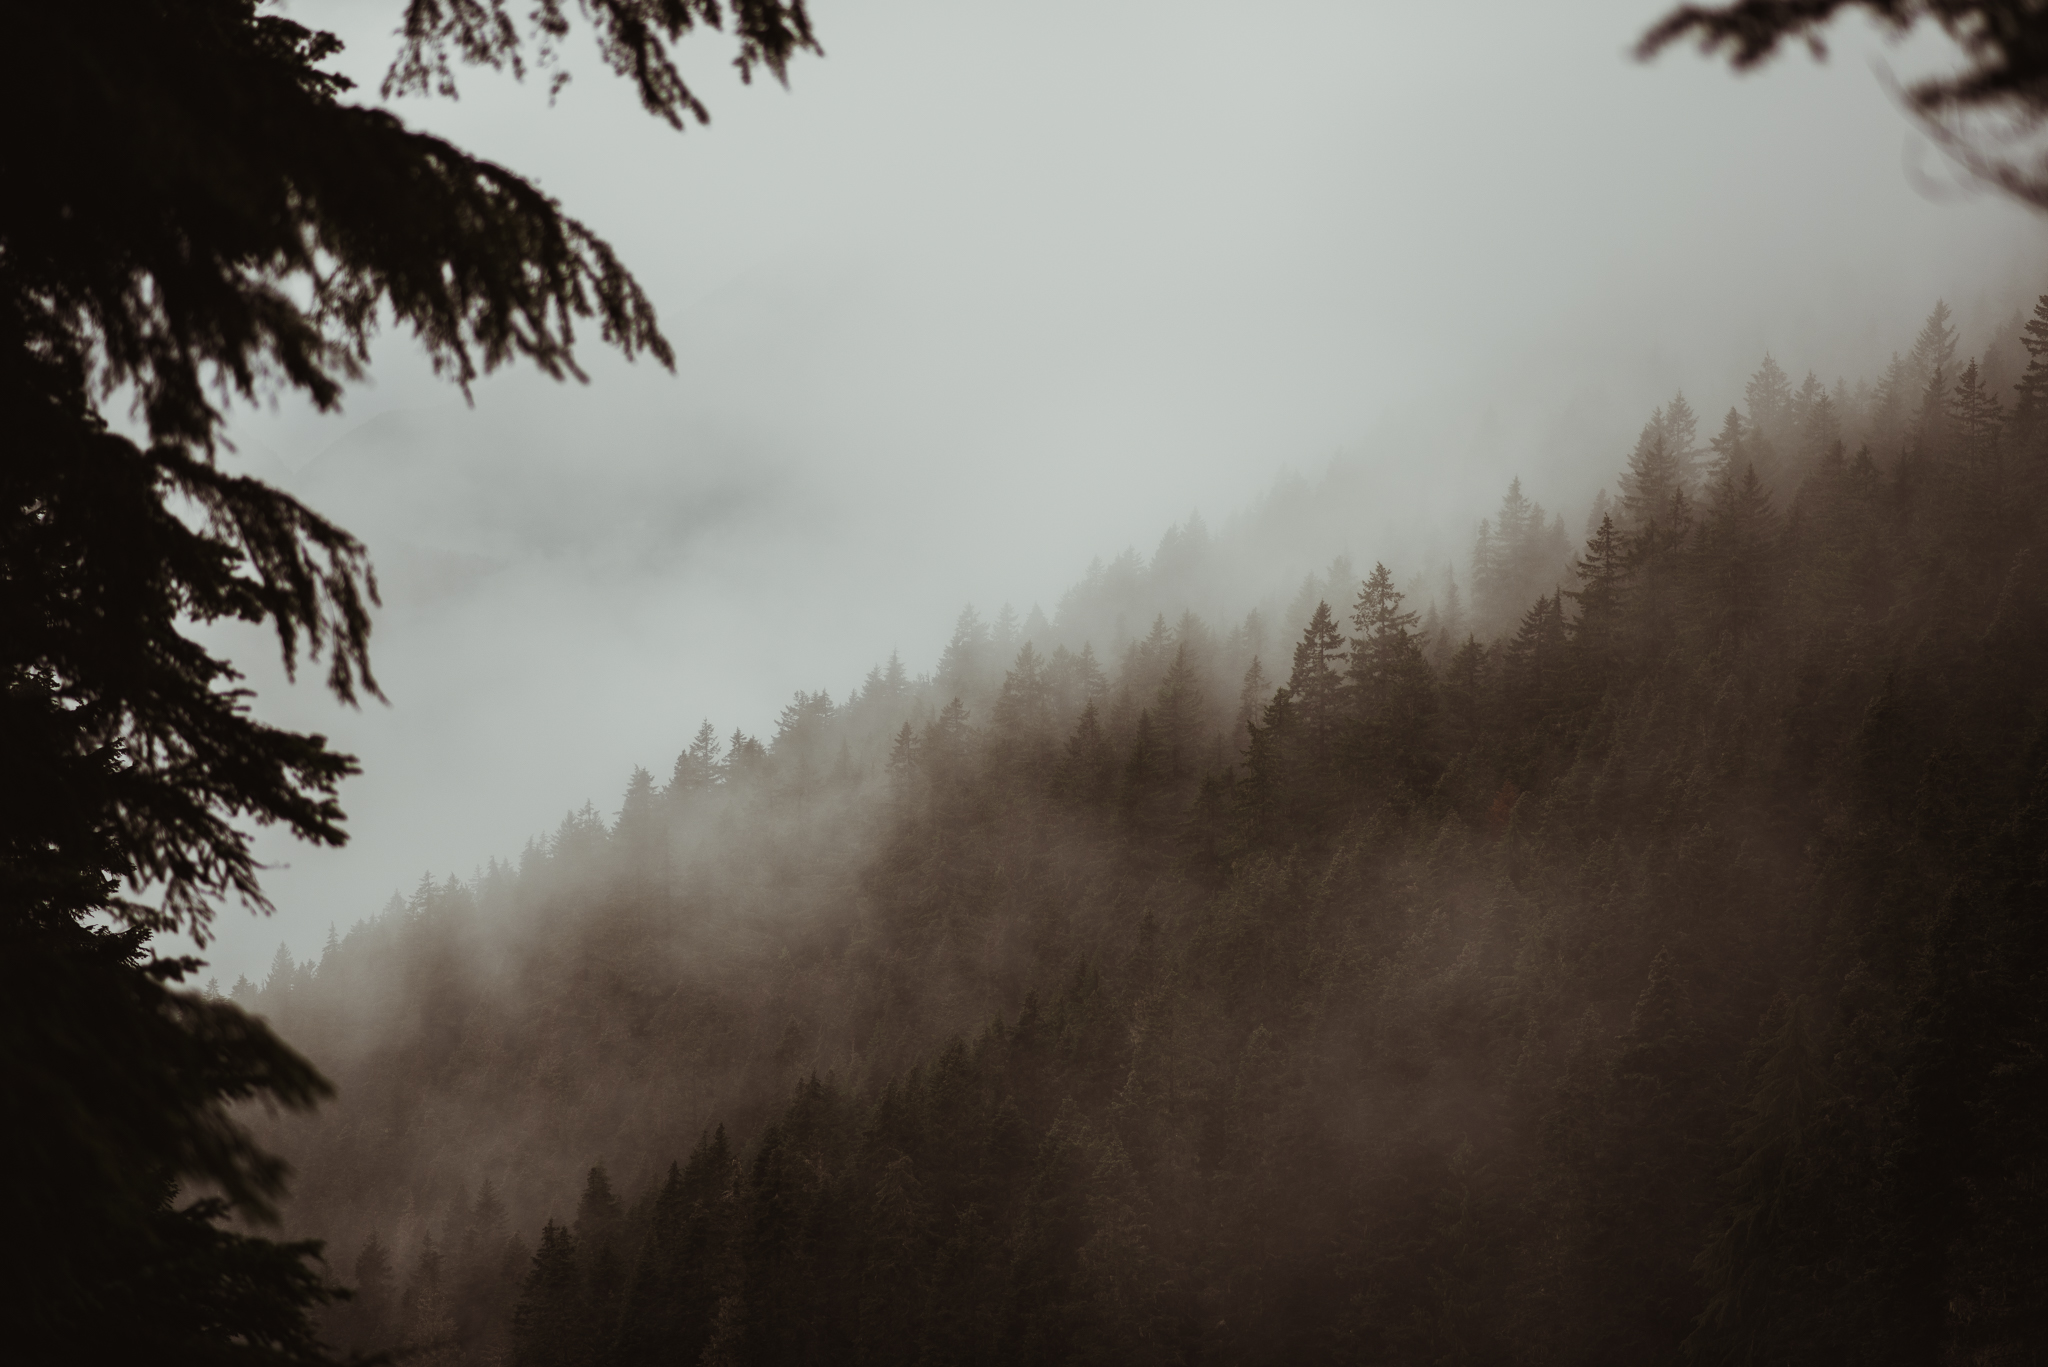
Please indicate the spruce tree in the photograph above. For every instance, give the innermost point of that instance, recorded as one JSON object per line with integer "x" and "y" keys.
{"x": 965, "y": 659}
{"x": 1315, "y": 685}
{"x": 1536, "y": 672}
{"x": 1930, "y": 445}
{"x": 1181, "y": 717}
{"x": 550, "y": 1326}
{"x": 277, "y": 987}
{"x": 427, "y": 1325}
{"x": 1934, "y": 349}
{"x": 1488, "y": 576}
{"x": 903, "y": 761}
{"x": 1681, "y": 428}
{"x": 2032, "y": 403}
{"x": 1251, "y": 696}
{"x": 1654, "y": 473}
{"x": 1392, "y": 690}
{"x": 1740, "y": 559}
{"x": 1509, "y": 558}
{"x": 1819, "y": 427}
{"x": 1769, "y": 397}
{"x": 1891, "y": 403}
{"x": 1023, "y": 710}
{"x": 697, "y": 769}
{"x": 1089, "y": 677}
{"x": 1602, "y": 573}
{"x": 1974, "y": 427}
{"x": 1087, "y": 769}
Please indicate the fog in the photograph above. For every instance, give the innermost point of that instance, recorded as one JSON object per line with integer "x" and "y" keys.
{"x": 989, "y": 292}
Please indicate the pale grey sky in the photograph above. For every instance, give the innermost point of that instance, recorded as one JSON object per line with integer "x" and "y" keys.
{"x": 996, "y": 288}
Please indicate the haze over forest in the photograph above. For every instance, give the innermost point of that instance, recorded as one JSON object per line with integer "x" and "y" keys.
{"x": 1142, "y": 684}
{"x": 1229, "y": 687}
{"x": 949, "y": 329}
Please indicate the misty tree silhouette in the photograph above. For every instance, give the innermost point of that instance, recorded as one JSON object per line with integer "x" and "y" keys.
{"x": 196, "y": 212}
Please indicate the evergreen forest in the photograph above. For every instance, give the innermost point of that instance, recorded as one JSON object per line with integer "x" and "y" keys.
{"x": 1623, "y": 945}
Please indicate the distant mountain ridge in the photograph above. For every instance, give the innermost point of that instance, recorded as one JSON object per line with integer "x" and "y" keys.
{"x": 1636, "y": 955}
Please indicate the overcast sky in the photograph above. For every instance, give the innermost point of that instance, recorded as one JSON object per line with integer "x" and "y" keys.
{"x": 992, "y": 289}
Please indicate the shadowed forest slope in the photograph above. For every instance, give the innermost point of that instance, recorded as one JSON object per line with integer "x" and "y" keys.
{"x": 1632, "y": 951}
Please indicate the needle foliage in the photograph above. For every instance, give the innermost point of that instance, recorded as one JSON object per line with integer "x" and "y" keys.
{"x": 197, "y": 212}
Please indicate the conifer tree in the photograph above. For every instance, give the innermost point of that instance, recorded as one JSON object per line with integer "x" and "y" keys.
{"x": 1181, "y": 717}
{"x": 1890, "y": 404}
{"x": 1682, "y": 437}
{"x": 1974, "y": 425}
{"x": 1536, "y": 672}
{"x": 483, "y": 1293}
{"x": 1453, "y": 623}
{"x": 1810, "y": 392}
{"x": 965, "y": 659}
{"x": 2033, "y": 385}
{"x": 1087, "y": 769}
{"x": 1315, "y": 685}
{"x": 1741, "y": 554}
{"x": 1929, "y": 445}
{"x": 1273, "y": 762}
{"x": 550, "y": 1327}
{"x": 1654, "y": 473}
{"x": 1465, "y": 685}
{"x": 1251, "y": 697}
{"x": 1390, "y": 683}
{"x": 903, "y": 761}
{"x": 277, "y": 988}
{"x": 1488, "y": 574}
{"x": 1730, "y": 455}
{"x": 1023, "y": 709}
{"x": 1089, "y": 676}
{"x": 1602, "y": 572}
{"x": 1509, "y": 558}
{"x": 697, "y": 768}
{"x": 597, "y": 1210}
{"x": 207, "y": 215}
{"x": 427, "y": 1330}
{"x": 1819, "y": 427}
{"x": 943, "y": 748}
{"x": 1934, "y": 349}
{"x": 1143, "y": 766}
{"x": 1003, "y": 635}
{"x": 746, "y": 762}
{"x": 1769, "y": 398}
{"x": 638, "y": 830}
{"x": 1603, "y": 507}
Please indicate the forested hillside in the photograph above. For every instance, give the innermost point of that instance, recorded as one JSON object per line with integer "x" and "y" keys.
{"x": 1626, "y": 946}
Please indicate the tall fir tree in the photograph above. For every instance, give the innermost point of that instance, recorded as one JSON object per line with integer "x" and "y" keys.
{"x": 1654, "y": 473}
{"x": 1768, "y": 395}
{"x": 1316, "y": 685}
{"x": 1934, "y": 348}
{"x": 550, "y": 1327}
{"x": 2032, "y": 404}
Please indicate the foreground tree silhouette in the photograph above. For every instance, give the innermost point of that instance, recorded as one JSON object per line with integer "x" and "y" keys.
{"x": 202, "y": 215}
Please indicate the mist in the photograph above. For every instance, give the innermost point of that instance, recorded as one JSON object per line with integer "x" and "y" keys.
{"x": 985, "y": 295}
{"x": 1302, "y": 685}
